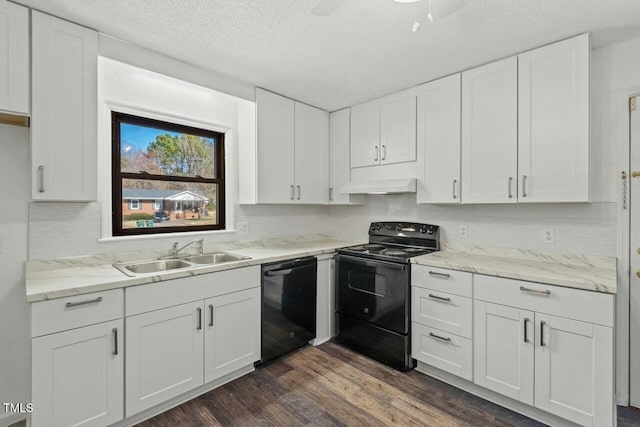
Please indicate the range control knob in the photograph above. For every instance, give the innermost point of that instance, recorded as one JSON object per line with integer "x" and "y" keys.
{"x": 423, "y": 230}
{"x": 378, "y": 227}
{"x": 430, "y": 231}
{"x": 398, "y": 227}
{"x": 366, "y": 310}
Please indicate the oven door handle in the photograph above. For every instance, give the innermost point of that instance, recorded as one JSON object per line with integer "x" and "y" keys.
{"x": 370, "y": 263}
{"x": 364, "y": 291}
{"x": 281, "y": 272}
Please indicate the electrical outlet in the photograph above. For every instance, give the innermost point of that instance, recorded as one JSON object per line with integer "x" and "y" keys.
{"x": 356, "y": 225}
{"x": 462, "y": 231}
{"x": 548, "y": 236}
{"x": 243, "y": 228}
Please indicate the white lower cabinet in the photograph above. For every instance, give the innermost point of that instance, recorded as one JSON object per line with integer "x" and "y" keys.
{"x": 232, "y": 337}
{"x": 78, "y": 376}
{"x": 164, "y": 355}
{"x": 525, "y": 350}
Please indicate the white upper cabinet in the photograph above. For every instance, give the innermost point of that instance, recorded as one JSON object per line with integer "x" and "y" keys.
{"x": 14, "y": 57}
{"x": 384, "y": 131}
{"x": 276, "y": 161}
{"x": 311, "y": 154}
{"x": 365, "y": 136}
{"x": 439, "y": 137}
{"x": 293, "y": 151}
{"x": 553, "y": 122}
{"x": 490, "y": 133}
{"x": 64, "y": 102}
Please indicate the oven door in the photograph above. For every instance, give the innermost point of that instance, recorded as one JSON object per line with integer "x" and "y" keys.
{"x": 373, "y": 291}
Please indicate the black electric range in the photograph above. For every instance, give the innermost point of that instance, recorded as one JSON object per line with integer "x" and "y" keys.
{"x": 373, "y": 296}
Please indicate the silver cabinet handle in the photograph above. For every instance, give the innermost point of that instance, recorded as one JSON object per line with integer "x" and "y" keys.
{"x": 455, "y": 183}
{"x": 375, "y": 159}
{"x": 89, "y": 301}
{"x": 510, "y": 193}
{"x": 331, "y": 194}
{"x": 298, "y": 188}
{"x": 435, "y": 273}
{"x": 436, "y": 297}
{"x": 526, "y": 321}
{"x": 291, "y": 192}
{"x": 41, "y": 177}
{"x": 524, "y": 185}
{"x": 431, "y": 334}
{"x": 199, "y": 310}
{"x": 384, "y": 152}
{"x": 535, "y": 291}
{"x": 542, "y": 323}
{"x": 114, "y": 332}
{"x": 210, "y": 314}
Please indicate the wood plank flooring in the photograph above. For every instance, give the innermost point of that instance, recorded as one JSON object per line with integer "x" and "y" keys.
{"x": 330, "y": 385}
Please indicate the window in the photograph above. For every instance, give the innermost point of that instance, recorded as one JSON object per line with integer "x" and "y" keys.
{"x": 172, "y": 175}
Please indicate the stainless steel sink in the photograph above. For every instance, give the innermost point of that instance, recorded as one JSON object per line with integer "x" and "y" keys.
{"x": 214, "y": 258}
{"x": 136, "y": 268}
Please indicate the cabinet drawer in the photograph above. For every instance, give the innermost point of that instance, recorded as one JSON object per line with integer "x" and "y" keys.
{"x": 445, "y": 351}
{"x": 441, "y": 279}
{"x": 63, "y": 314}
{"x": 440, "y": 310}
{"x": 587, "y": 306}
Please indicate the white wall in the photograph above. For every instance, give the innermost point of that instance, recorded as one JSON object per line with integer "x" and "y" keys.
{"x": 14, "y": 332}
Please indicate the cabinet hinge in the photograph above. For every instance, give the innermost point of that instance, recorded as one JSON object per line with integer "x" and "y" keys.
{"x": 632, "y": 103}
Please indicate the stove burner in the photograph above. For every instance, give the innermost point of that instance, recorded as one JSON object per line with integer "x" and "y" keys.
{"x": 394, "y": 252}
{"x": 372, "y": 246}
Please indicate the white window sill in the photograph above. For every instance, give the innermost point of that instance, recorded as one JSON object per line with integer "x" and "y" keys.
{"x": 167, "y": 235}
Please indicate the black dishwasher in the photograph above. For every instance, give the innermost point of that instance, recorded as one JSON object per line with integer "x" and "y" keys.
{"x": 288, "y": 306}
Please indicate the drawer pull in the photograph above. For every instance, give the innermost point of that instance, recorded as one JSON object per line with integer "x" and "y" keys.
{"x": 526, "y": 321}
{"x": 89, "y": 301}
{"x": 542, "y": 323}
{"x": 535, "y": 291}
{"x": 439, "y": 298}
{"x": 435, "y": 273}
{"x": 114, "y": 331}
{"x": 210, "y": 314}
{"x": 431, "y": 334}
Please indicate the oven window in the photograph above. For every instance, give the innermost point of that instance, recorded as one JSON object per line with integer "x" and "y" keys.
{"x": 367, "y": 281}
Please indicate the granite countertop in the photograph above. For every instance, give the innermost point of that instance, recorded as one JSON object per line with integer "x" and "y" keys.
{"x": 57, "y": 278}
{"x": 592, "y": 273}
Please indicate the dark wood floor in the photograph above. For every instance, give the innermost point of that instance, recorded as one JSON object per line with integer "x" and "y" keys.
{"x": 332, "y": 386}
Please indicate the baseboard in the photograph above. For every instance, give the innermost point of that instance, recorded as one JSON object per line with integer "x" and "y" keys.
{"x": 179, "y": 400}
{"x": 491, "y": 396}
{"x": 8, "y": 418}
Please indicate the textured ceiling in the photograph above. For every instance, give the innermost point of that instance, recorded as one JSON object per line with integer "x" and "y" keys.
{"x": 364, "y": 50}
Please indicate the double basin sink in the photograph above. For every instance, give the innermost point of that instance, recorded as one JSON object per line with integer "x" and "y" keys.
{"x": 136, "y": 268}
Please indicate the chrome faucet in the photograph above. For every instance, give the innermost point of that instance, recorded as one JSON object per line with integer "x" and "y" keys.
{"x": 198, "y": 242}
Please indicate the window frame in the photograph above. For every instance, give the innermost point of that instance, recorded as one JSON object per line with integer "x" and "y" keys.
{"x": 117, "y": 175}
{"x": 158, "y": 205}
{"x": 131, "y": 208}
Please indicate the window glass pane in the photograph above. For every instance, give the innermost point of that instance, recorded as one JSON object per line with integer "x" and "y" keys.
{"x": 184, "y": 204}
{"x": 163, "y": 152}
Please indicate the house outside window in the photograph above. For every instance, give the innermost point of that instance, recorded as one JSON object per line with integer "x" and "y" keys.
{"x": 165, "y": 177}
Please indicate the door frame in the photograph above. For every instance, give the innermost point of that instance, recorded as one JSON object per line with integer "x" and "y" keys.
{"x": 623, "y": 318}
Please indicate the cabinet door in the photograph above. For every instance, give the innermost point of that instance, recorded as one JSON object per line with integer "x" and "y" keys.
{"x": 439, "y": 134}
{"x": 365, "y": 136}
{"x": 574, "y": 370}
{"x": 398, "y": 130}
{"x": 275, "y": 130}
{"x": 232, "y": 333}
{"x": 63, "y": 130}
{"x": 165, "y": 350}
{"x": 504, "y": 350}
{"x": 553, "y": 122}
{"x": 339, "y": 171}
{"x": 14, "y": 55}
{"x": 490, "y": 133}
{"x": 78, "y": 377}
{"x": 311, "y": 155}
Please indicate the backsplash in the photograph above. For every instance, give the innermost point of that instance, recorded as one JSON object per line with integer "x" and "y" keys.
{"x": 579, "y": 228}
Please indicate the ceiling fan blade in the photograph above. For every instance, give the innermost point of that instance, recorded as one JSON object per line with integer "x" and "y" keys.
{"x": 327, "y": 7}
{"x": 447, "y": 7}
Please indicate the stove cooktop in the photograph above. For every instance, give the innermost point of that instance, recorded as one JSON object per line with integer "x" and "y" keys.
{"x": 380, "y": 251}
